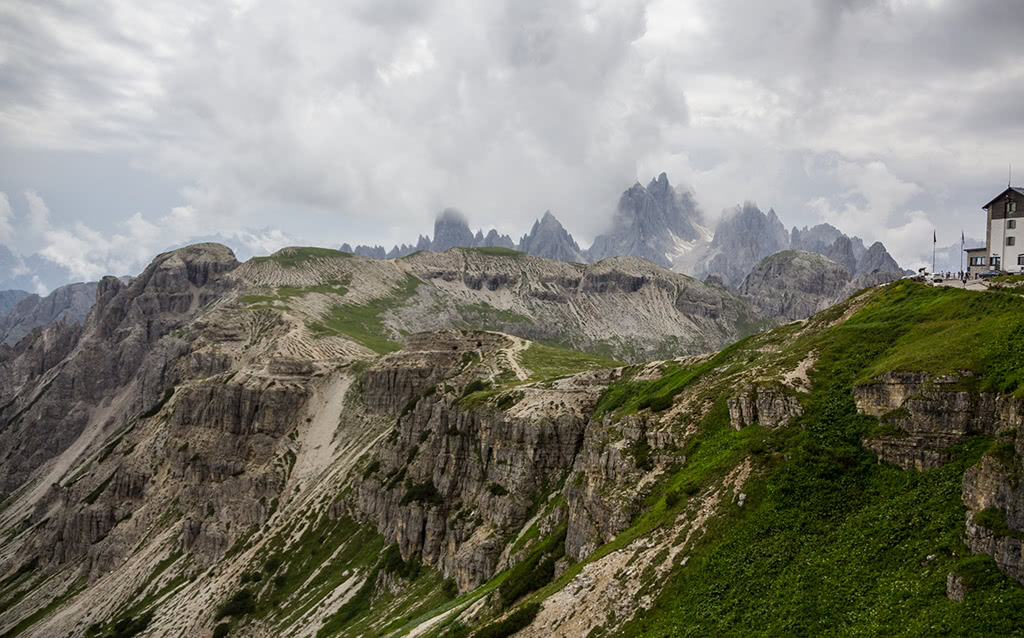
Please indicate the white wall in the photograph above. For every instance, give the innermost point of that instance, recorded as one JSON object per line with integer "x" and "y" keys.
{"x": 998, "y": 248}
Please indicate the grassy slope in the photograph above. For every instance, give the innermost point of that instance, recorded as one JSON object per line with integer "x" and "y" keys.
{"x": 830, "y": 541}
{"x": 547, "y": 362}
{"x": 363, "y": 323}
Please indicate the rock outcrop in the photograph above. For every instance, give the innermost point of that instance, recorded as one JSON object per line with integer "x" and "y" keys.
{"x": 70, "y": 304}
{"x": 768, "y": 406}
{"x": 927, "y": 415}
{"x": 793, "y": 284}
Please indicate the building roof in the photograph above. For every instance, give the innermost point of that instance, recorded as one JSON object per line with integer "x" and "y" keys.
{"x": 973, "y": 249}
{"x": 1017, "y": 189}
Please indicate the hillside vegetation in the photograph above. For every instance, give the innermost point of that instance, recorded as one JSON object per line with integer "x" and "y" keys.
{"x": 318, "y": 444}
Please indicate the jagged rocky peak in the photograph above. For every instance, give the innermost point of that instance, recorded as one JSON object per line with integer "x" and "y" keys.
{"x": 841, "y": 252}
{"x": 70, "y": 303}
{"x": 451, "y": 230}
{"x": 793, "y": 284}
{"x": 659, "y": 223}
{"x": 743, "y": 238}
{"x": 877, "y": 258}
{"x": 548, "y": 239}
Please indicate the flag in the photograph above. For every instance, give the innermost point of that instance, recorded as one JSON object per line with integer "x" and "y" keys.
{"x": 934, "y": 238}
{"x": 961, "y": 238}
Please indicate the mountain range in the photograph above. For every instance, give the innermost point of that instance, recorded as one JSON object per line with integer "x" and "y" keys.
{"x": 485, "y": 443}
{"x": 664, "y": 225}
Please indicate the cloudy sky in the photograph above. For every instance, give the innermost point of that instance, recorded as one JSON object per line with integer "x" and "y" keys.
{"x": 127, "y": 127}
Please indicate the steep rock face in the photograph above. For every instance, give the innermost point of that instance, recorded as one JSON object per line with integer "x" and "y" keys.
{"x": 425, "y": 360}
{"x": 548, "y": 239}
{"x": 741, "y": 241}
{"x": 793, "y": 284}
{"x": 487, "y": 468}
{"x": 928, "y": 416}
{"x": 9, "y": 299}
{"x": 768, "y": 406}
{"x": 601, "y": 493}
{"x": 877, "y": 258}
{"x": 841, "y": 252}
{"x": 653, "y": 223}
{"x": 70, "y": 303}
{"x": 994, "y": 498}
{"x": 457, "y": 476}
{"x": 115, "y": 346}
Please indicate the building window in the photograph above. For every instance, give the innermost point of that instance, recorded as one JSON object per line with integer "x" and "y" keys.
{"x": 1020, "y": 260}
{"x": 1011, "y": 240}
{"x": 1011, "y": 224}
{"x": 1010, "y": 206}
{"x": 994, "y": 262}
{"x": 977, "y": 261}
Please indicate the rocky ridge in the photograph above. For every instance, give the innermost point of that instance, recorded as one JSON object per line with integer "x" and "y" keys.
{"x": 247, "y": 437}
{"x": 70, "y": 303}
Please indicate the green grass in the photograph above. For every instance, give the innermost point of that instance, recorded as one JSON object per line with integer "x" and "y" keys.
{"x": 546, "y": 362}
{"x": 1008, "y": 279}
{"x": 331, "y": 287}
{"x": 482, "y": 314}
{"x": 628, "y": 397}
{"x": 363, "y": 323}
{"x": 943, "y": 330}
{"x": 295, "y": 256}
{"x": 44, "y": 611}
{"x": 995, "y": 520}
{"x": 497, "y": 251}
{"x": 830, "y": 542}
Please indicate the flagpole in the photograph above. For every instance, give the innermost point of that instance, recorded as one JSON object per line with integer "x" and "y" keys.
{"x": 934, "y": 239}
{"x": 961, "y": 253}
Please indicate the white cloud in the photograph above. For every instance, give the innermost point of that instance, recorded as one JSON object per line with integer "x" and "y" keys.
{"x": 380, "y": 113}
{"x": 38, "y": 213}
{"x": 6, "y": 220}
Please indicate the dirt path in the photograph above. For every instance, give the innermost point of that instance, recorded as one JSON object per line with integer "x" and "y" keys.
{"x": 512, "y": 354}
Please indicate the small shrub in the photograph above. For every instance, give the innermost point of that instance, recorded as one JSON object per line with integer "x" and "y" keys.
{"x": 672, "y": 498}
{"x": 221, "y": 630}
{"x": 392, "y": 563}
{"x": 449, "y": 588}
{"x": 641, "y": 453}
{"x": 424, "y": 493}
{"x": 497, "y": 490}
{"x": 272, "y": 564}
{"x": 475, "y": 386}
{"x": 128, "y": 627}
{"x": 240, "y": 604}
{"x": 659, "y": 403}
{"x": 535, "y": 571}
{"x": 371, "y": 469}
{"x": 252, "y": 577}
{"x": 994, "y": 519}
{"x": 517, "y": 620}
